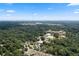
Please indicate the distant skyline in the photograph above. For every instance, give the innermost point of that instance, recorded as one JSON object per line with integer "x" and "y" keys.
{"x": 39, "y": 12}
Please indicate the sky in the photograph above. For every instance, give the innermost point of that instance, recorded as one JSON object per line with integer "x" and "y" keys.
{"x": 39, "y": 11}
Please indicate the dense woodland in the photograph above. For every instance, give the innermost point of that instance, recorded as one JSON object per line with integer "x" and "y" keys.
{"x": 13, "y": 36}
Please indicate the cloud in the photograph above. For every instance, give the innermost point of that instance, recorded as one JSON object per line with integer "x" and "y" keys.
{"x": 49, "y": 8}
{"x": 35, "y": 14}
{"x": 73, "y": 4}
{"x": 5, "y": 12}
{"x": 77, "y": 9}
{"x": 1, "y": 10}
{"x": 9, "y": 4}
{"x": 10, "y": 11}
{"x": 8, "y": 14}
{"x": 76, "y": 12}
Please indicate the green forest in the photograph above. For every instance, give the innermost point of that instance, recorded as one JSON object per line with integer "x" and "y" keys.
{"x": 13, "y": 36}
